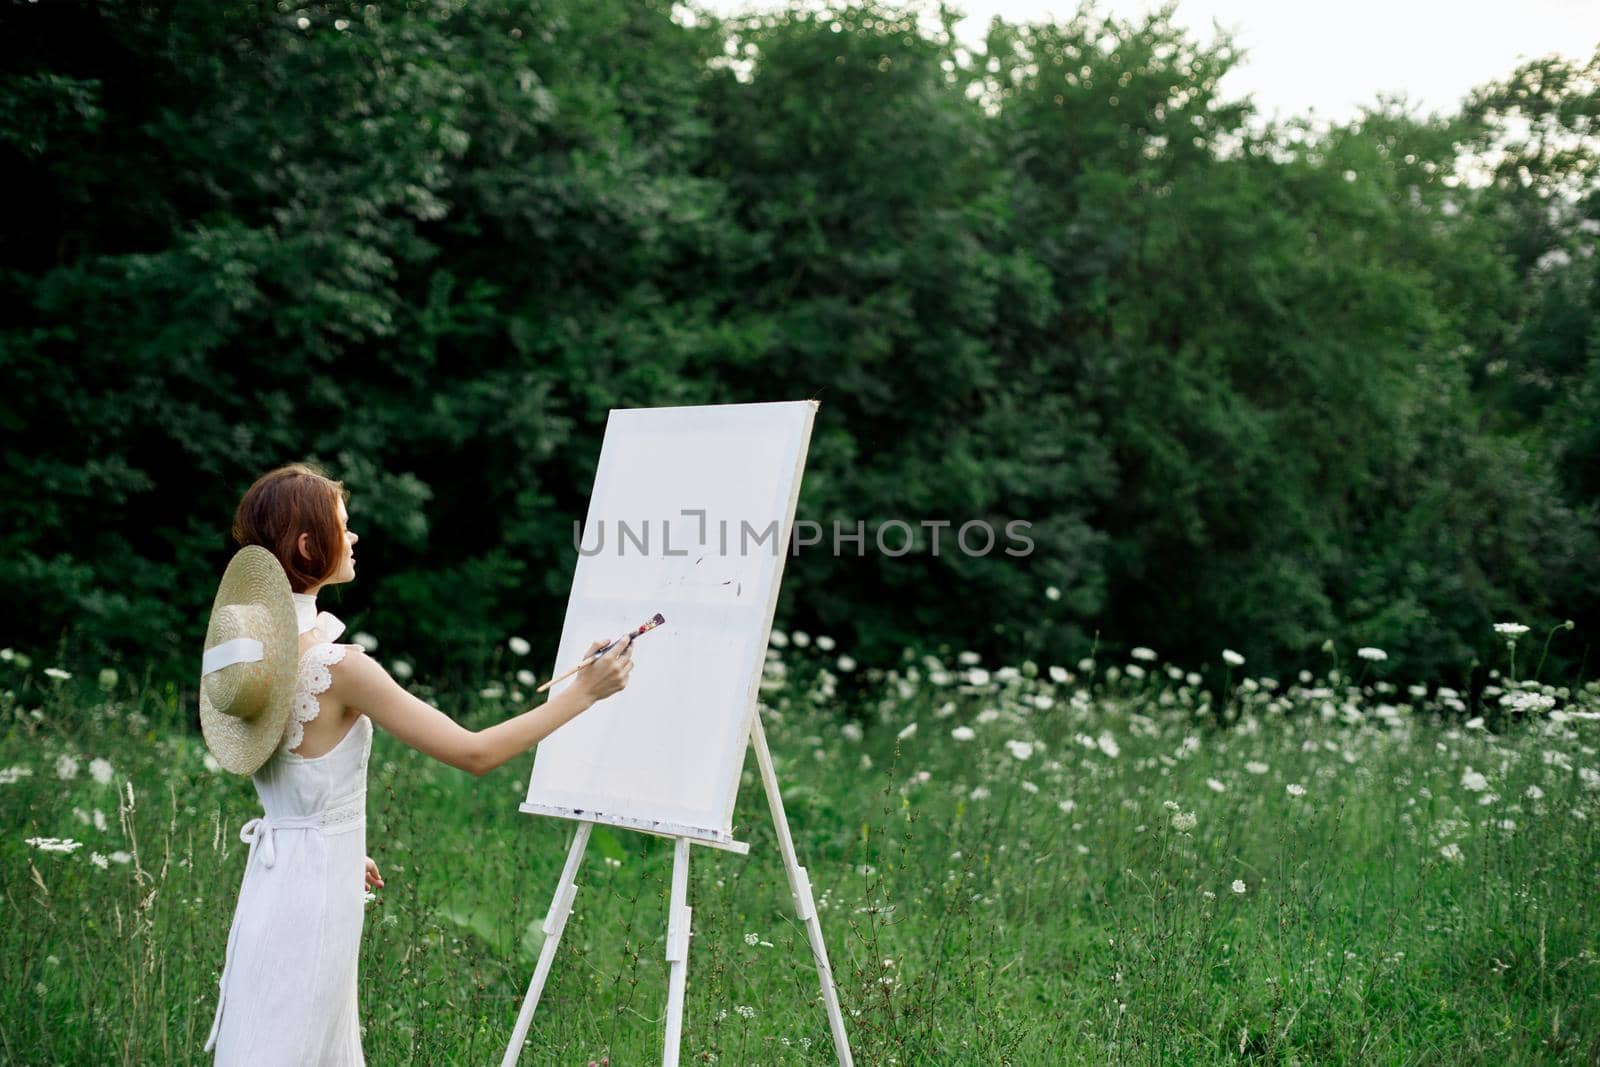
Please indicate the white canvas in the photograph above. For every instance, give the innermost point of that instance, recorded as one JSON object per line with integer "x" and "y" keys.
{"x": 665, "y": 754}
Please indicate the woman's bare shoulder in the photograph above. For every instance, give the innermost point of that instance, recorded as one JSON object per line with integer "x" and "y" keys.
{"x": 358, "y": 676}
{"x": 355, "y": 661}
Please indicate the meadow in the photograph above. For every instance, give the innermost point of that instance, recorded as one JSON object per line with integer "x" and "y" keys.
{"x": 1090, "y": 862}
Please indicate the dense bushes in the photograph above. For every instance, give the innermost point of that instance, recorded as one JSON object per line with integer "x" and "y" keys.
{"x": 1254, "y": 385}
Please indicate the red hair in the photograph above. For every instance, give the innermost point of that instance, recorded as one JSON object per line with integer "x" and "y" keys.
{"x": 284, "y": 503}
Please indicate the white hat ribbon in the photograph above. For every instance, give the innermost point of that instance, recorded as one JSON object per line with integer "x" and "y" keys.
{"x": 238, "y": 650}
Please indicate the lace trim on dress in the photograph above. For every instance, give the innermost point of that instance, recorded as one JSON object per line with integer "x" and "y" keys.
{"x": 345, "y": 814}
{"x": 314, "y": 679}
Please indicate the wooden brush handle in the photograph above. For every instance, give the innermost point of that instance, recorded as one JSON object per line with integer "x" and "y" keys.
{"x": 654, "y": 621}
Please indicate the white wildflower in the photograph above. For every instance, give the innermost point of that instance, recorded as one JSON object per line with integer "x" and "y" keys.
{"x": 825, "y": 643}
{"x": 66, "y": 768}
{"x": 98, "y": 860}
{"x": 55, "y": 844}
{"x": 1215, "y": 786}
{"x": 800, "y": 638}
{"x": 400, "y": 669}
{"x": 1257, "y": 767}
{"x": 851, "y": 731}
{"x": 1529, "y": 702}
{"x": 1471, "y": 779}
{"x": 963, "y": 733}
{"x": 1052, "y": 593}
{"x": 846, "y": 664}
{"x": 365, "y": 640}
{"x": 526, "y": 677}
{"x": 101, "y": 770}
{"x": 57, "y": 673}
{"x": 1375, "y": 655}
{"x": 909, "y": 729}
{"x": 1146, "y": 654}
{"x": 1108, "y": 744}
{"x": 10, "y": 775}
{"x": 1238, "y": 885}
{"x": 779, "y": 639}
{"x": 1232, "y": 657}
{"x": 1058, "y": 674}
{"x": 1295, "y": 789}
{"x": 1510, "y": 629}
{"x": 1022, "y": 750}
{"x": 1451, "y": 852}
{"x": 1184, "y": 821}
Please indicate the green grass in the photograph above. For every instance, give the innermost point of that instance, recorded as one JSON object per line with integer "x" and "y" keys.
{"x": 1039, "y": 902}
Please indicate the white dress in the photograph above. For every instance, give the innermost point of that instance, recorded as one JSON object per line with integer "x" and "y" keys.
{"x": 288, "y": 989}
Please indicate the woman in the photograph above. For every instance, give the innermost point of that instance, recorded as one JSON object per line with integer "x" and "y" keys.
{"x": 289, "y": 975}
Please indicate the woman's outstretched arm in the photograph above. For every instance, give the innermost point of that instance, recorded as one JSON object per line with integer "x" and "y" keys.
{"x": 360, "y": 682}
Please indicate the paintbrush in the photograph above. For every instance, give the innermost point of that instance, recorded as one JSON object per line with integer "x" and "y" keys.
{"x": 650, "y": 624}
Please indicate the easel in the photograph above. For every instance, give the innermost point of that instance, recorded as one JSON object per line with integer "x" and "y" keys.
{"x": 678, "y": 918}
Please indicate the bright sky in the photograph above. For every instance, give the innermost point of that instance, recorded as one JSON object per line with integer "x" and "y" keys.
{"x": 1332, "y": 58}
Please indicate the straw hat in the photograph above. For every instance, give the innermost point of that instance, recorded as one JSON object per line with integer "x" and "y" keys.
{"x": 247, "y": 674}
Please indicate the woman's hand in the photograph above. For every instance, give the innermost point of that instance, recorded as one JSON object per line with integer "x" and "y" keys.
{"x": 374, "y": 879}
{"x": 609, "y": 673}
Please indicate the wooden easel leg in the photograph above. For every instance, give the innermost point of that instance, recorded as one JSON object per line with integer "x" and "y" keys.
{"x": 800, "y": 889}
{"x": 555, "y": 921}
{"x": 677, "y": 951}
